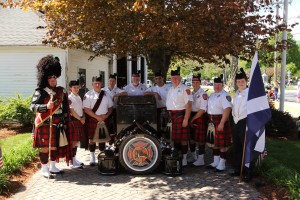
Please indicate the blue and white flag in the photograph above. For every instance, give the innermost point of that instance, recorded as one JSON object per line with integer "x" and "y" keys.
{"x": 258, "y": 113}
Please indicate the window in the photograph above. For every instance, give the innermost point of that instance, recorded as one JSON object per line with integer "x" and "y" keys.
{"x": 82, "y": 77}
{"x": 102, "y": 74}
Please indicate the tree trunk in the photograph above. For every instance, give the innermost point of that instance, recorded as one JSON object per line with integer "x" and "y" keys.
{"x": 233, "y": 70}
{"x": 159, "y": 60}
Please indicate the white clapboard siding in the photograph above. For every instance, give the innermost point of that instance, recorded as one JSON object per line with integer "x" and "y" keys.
{"x": 18, "y": 73}
{"x": 80, "y": 59}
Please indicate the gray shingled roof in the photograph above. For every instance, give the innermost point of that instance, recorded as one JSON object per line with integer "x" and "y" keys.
{"x": 19, "y": 28}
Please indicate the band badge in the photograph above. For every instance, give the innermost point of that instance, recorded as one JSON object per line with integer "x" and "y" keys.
{"x": 228, "y": 98}
{"x": 204, "y": 96}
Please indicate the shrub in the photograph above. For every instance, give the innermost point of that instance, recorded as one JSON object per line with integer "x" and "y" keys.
{"x": 281, "y": 124}
{"x": 17, "y": 152}
{"x": 16, "y": 108}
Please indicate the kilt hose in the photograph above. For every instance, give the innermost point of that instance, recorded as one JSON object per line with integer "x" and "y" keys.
{"x": 222, "y": 138}
{"x": 75, "y": 129}
{"x": 179, "y": 133}
{"x": 199, "y": 128}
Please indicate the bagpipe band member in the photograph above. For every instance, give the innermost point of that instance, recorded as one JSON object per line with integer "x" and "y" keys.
{"x": 239, "y": 113}
{"x": 50, "y": 103}
{"x": 198, "y": 122}
{"x": 97, "y": 106}
{"x": 160, "y": 91}
{"x": 179, "y": 103}
{"x": 76, "y": 121}
{"x": 113, "y": 92}
{"x": 135, "y": 87}
{"x": 218, "y": 110}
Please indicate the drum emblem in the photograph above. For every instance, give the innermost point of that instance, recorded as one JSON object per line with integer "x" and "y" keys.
{"x": 140, "y": 153}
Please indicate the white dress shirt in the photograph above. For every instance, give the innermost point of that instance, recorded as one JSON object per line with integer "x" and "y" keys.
{"x": 178, "y": 97}
{"x": 239, "y": 108}
{"x": 218, "y": 102}
{"x": 90, "y": 99}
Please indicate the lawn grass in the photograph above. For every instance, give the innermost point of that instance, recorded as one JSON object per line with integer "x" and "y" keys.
{"x": 282, "y": 165}
{"x": 17, "y": 151}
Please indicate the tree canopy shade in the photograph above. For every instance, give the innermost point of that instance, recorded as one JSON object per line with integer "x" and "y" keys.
{"x": 202, "y": 30}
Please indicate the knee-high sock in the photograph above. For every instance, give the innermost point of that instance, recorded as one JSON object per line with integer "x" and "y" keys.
{"x": 74, "y": 151}
{"x": 193, "y": 147}
{"x": 44, "y": 157}
{"x": 92, "y": 147}
{"x": 53, "y": 155}
{"x": 184, "y": 149}
{"x": 216, "y": 152}
{"x": 201, "y": 149}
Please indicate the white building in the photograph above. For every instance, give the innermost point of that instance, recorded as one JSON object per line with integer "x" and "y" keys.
{"x": 21, "y": 47}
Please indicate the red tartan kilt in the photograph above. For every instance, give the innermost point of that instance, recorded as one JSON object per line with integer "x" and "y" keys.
{"x": 179, "y": 133}
{"x": 75, "y": 130}
{"x": 91, "y": 126}
{"x": 41, "y": 137}
{"x": 200, "y": 129}
{"x": 222, "y": 138}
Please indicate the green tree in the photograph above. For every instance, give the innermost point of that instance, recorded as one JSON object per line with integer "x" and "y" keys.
{"x": 205, "y": 31}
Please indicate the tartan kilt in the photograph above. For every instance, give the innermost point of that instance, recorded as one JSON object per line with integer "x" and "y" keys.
{"x": 199, "y": 130}
{"x": 41, "y": 140}
{"x": 179, "y": 133}
{"x": 75, "y": 130}
{"x": 41, "y": 136}
{"x": 222, "y": 138}
{"x": 91, "y": 125}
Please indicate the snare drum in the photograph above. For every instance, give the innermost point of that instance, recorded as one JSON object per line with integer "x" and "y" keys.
{"x": 107, "y": 164}
{"x": 172, "y": 165}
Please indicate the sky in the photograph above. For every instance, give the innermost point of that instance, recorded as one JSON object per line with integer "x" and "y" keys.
{"x": 293, "y": 16}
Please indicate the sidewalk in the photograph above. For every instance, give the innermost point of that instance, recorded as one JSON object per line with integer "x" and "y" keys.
{"x": 291, "y": 107}
{"x": 87, "y": 183}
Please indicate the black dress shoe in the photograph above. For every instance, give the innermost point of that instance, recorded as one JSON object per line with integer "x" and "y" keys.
{"x": 219, "y": 170}
{"x": 209, "y": 167}
{"x": 60, "y": 172}
{"x": 247, "y": 177}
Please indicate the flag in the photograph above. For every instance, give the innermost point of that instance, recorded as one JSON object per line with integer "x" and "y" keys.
{"x": 258, "y": 113}
{"x": 1, "y": 160}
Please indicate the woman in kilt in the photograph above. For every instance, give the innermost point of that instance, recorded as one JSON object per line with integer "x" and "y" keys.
{"x": 50, "y": 103}
{"x": 198, "y": 120}
{"x": 218, "y": 110}
{"x": 76, "y": 121}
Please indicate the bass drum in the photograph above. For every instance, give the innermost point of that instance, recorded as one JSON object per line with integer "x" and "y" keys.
{"x": 140, "y": 154}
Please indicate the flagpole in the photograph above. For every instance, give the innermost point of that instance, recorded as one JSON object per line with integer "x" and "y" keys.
{"x": 243, "y": 157}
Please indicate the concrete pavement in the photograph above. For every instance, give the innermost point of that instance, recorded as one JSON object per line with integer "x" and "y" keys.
{"x": 87, "y": 183}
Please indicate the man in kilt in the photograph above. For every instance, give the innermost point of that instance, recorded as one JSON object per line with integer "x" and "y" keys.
{"x": 113, "y": 92}
{"x": 239, "y": 113}
{"x": 97, "y": 106}
{"x": 160, "y": 91}
{"x": 76, "y": 121}
{"x": 50, "y": 103}
{"x": 179, "y": 104}
{"x": 218, "y": 110}
{"x": 198, "y": 120}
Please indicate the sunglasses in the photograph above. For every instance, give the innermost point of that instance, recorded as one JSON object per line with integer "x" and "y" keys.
{"x": 50, "y": 77}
